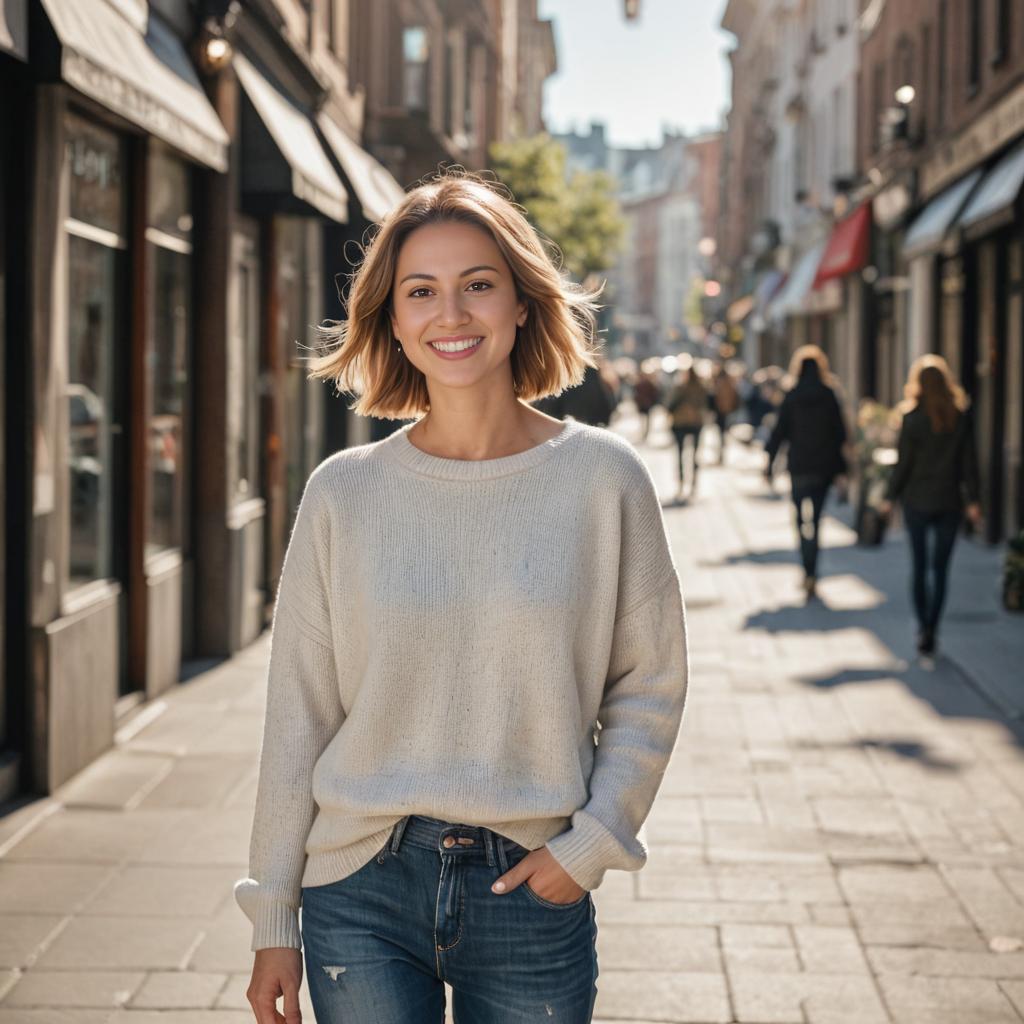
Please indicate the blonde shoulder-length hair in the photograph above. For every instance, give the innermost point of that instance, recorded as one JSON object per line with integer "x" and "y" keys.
{"x": 552, "y": 349}
{"x": 796, "y": 364}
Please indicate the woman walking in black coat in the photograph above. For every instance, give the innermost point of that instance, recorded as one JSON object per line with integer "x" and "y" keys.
{"x": 936, "y": 479}
{"x": 811, "y": 423}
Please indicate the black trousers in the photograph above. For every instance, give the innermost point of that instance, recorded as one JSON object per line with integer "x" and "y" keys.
{"x": 809, "y": 494}
{"x": 931, "y": 561}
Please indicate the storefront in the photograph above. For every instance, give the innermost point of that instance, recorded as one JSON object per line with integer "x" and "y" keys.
{"x": 290, "y": 191}
{"x": 124, "y": 137}
{"x": 13, "y": 52}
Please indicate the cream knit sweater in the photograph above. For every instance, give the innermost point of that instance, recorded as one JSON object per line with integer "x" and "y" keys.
{"x": 498, "y": 642}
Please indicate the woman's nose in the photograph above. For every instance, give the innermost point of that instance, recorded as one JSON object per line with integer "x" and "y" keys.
{"x": 453, "y": 310}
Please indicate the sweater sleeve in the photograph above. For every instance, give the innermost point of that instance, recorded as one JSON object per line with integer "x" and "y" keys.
{"x": 303, "y": 713}
{"x": 641, "y": 709}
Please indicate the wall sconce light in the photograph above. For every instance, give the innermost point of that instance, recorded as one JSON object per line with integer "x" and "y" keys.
{"x": 904, "y": 95}
{"x": 213, "y": 48}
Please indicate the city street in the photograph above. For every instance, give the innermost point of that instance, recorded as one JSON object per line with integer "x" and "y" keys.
{"x": 839, "y": 838}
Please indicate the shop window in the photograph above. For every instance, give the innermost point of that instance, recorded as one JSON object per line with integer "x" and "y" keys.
{"x": 1002, "y": 26}
{"x": 416, "y": 64}
{"x": 168, "y": 348}
{"x": 245, "y": 361}
{"x": 975, "y": 32}
{"x": 96, "y": 240}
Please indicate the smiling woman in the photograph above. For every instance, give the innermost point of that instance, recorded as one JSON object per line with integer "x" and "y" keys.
{"x": 478, "y": 658}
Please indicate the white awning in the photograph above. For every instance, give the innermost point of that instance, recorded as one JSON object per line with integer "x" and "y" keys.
{"x": 375, "y": 188}
{"x": 792, "y": 295}
{"x": 13, "y": 25}
{"x": 931, "y": 225}
{"x": 992, "y": 204}
{"x": 146, "y": 78}
{"x": 296, "y": 162}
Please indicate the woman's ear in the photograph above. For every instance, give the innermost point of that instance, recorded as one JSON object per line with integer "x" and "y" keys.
{"x": 521, "y": 312}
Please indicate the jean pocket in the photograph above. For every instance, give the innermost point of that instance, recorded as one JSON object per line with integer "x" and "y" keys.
{"x": 525, "y": 886}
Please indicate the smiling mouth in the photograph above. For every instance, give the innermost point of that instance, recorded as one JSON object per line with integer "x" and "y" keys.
{"x": 451, "y": 347}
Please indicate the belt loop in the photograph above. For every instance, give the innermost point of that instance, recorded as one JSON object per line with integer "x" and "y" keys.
{"x": 502, "y": 859}
{"x": 488, "y": 838}
{"x": 396, "y": 837}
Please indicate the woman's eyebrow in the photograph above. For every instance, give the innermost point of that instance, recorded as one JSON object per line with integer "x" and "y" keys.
{"x": 465, "y": 273}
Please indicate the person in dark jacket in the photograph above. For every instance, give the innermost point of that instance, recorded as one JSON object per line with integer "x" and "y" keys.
{"x": 590, "y": 401}
{"x": 811, "y": 423}
{"x": 936, "y": 479}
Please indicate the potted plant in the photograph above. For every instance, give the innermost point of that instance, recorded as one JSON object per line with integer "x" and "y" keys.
{"x": 1013, "y": 574}
{"x": 875, "y": 447}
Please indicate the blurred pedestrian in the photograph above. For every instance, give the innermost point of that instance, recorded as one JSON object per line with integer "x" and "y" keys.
{"x": 424, "y": 796}
{"x": 810, "y": 423}
{"x": 591, "y": 401}
{"x": 936, "y": 480}
{"x": 646, "y": 395}
{"x": 726, "y": 400}
{"x": 687, "y": 404}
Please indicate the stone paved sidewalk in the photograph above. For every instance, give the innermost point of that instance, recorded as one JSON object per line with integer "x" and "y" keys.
{"x": 838, "y": 837}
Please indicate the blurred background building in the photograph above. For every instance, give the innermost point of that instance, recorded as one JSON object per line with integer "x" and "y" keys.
{"x": 873, "y": 166}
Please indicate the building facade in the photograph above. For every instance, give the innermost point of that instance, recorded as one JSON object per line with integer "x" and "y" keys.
{"x": 182, "y": 183}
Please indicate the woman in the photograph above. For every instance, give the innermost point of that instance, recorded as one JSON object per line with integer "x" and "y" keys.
{"x": 687, "y": 403}
{"x": 462, "y": 604}
{"x": 811, "y": 423}
{"x": 935, "y": 477}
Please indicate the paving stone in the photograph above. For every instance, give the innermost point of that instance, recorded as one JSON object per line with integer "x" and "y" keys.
{"x": 663, "y": 996}
{"x": 777, "y": 997}
{"x": 179, "y": 990}
{"x": 829, "y": 950}
{"x": 659, "y": 949}
{"x": 117, "y": 780}
{"x": 173, "y": 892}
{"x": 945, "y": 962}
{"x": 48, "y": 888}
{"x": 80, "y": 989}
{"x": 946, "y": 1000}
{"x": 54, "y": 1015}
{"x": 22, "y": 937}
{"x": 128, "y": 1016}
{"x": 83, "y": 836}
{"x": 763, "y": 935}
{"x": 144, "y": 943}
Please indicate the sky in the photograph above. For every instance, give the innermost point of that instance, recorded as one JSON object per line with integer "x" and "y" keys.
{"x": 666, "y": 68}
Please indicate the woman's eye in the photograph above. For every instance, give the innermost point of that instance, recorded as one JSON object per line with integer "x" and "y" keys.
{"x": 486, "y": 284}
{"x": 415, "y": 292}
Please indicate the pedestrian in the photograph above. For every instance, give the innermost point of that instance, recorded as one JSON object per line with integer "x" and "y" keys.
{"x": 646, "y": 395}
{"x": 725, "y": 401}
{"x": 810, "y": 423}
{"x": 687, "y": 404}
{"x": 478, "y": 658}
{"x": 936, "y": 480}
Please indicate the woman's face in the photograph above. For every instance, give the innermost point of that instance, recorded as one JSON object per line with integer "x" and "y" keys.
{"x": 453, "y": 289}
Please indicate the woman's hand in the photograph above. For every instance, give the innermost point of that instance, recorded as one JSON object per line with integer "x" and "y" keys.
{"x": 547, "y": 878}
{"x": 276, "y": 972}
{"x": 885, "y": 508}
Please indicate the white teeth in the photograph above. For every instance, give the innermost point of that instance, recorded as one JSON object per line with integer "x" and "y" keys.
{"x": 456, "y": 346}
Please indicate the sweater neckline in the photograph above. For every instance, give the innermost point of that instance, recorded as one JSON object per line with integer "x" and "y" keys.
{"x": 399, "y": 447}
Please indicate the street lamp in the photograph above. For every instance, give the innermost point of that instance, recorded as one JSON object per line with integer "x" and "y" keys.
{"x": 904, "y": 95}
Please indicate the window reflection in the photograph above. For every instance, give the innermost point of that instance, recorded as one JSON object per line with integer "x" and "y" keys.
{"x": 91, "y": 336}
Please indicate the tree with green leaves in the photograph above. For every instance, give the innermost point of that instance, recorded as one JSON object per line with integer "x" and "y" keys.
{"x": 579, "y": 214}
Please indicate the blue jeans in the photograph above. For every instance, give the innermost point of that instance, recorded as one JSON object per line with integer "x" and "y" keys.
{"x": 931, "y": 567}
{"x": 380, "y": 944}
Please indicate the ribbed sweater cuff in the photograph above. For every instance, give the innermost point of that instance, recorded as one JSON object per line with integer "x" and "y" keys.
{"x": 274, "y": 923}
{"x": 585, "y": 850}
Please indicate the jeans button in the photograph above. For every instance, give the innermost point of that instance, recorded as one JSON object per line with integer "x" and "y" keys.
{"x": 448, "y": 842}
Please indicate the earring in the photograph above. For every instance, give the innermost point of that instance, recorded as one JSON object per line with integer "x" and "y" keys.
{"x": 398, "y": 345}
